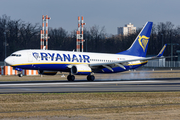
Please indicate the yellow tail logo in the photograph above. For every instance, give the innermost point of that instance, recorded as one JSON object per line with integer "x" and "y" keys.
{"x": 143, "y": 42}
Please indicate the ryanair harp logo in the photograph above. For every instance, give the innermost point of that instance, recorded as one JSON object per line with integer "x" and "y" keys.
{"x": 36, "y": 55}
{"x": 143, "y": 41}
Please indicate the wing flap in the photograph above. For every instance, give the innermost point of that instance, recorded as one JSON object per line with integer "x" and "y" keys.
{"x": 121, "y": 66}
{"x": 108, "y": 68}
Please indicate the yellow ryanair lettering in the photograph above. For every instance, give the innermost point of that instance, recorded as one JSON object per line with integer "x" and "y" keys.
{"x": 143, "y": 40}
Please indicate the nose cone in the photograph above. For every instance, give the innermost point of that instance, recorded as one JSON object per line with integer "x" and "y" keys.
{"x": 8, "y": 61}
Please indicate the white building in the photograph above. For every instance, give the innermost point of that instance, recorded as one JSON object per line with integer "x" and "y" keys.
{"x": 128, "y": 29}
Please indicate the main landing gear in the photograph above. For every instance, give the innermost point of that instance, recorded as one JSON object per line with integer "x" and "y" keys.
{"x": 90, "y": 77}
{"x": 72, "y": 77}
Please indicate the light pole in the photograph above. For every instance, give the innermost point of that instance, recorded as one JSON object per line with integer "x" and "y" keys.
{"x": 172, "y": 44}
{"x": 86, "y": 40}
{"x": 162, "y": 40}
{"x": 5, "y": 45}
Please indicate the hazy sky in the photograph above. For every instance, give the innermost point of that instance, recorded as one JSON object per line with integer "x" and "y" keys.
{"x": 108, "y": 13}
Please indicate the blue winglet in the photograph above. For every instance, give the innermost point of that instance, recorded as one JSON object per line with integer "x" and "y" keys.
{"x": 162, "y": 51}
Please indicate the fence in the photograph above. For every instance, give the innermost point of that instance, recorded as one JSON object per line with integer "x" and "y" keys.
{"x": 8, "y": 70}
{"x": 163, "y": 64}
{"x": 1, "y": 63}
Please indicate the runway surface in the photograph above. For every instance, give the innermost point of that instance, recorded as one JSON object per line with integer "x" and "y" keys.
{"x": 133, "y": 85}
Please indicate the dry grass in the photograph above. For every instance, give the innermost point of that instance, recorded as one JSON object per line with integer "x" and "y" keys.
{"x": 130, "y": 105}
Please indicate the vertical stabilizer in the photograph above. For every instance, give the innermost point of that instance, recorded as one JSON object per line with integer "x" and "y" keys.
{"x": 140, "y": 45}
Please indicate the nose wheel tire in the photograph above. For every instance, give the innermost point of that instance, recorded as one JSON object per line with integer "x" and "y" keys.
{"x": 90, "y": 77}
{"x": 71, "y": 77}
{"x": 20, "y": 75}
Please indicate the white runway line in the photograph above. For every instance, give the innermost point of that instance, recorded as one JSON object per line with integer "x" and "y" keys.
{"x": 79, "y": 83}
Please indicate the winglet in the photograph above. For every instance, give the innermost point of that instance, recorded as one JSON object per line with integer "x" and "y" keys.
{"x": 162, "y": 51}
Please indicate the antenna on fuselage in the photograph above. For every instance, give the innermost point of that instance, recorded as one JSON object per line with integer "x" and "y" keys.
{"x": 44, "y": 48}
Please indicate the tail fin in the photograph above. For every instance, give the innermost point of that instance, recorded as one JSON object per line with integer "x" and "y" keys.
{"x": 140, "y": 45}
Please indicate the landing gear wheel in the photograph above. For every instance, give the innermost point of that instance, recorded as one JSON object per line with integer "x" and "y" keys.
{"x": 20, "y": 75}
{"x": 90, "y": 77}
{"x": 71, "y": 77}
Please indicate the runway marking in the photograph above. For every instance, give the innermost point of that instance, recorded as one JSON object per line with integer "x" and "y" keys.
{"x": 76, "y": 83}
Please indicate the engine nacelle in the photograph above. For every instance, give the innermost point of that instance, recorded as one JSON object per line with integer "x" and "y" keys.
{"x": 47, "y": 72}
{"x": 81, "y": 70}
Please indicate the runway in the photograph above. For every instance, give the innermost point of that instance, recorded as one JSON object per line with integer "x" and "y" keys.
{"x": 133, "y": 85}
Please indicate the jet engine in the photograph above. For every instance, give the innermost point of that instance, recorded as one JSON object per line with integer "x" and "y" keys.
{"x": 81, "y": 70}
{"x": 47, "y": 72}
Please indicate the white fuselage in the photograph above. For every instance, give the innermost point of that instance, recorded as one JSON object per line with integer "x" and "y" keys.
{"x": 42, "y": 59}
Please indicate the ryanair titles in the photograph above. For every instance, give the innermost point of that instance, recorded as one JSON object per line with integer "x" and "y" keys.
{"x": 61, "y": 57}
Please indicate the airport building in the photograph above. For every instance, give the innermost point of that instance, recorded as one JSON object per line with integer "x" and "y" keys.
{"x": 128, "y": 29}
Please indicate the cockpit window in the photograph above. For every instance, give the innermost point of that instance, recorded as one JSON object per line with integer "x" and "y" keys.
{"x": 17, "y": 55}
{"x": 13, "y": 55}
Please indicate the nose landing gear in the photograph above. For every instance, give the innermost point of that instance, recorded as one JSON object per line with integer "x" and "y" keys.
{"x": 20, "y": 73}
{"x": 19, "y": 70}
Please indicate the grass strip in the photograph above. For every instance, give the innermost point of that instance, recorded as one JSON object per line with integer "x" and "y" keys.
{"x": 88, "y": 105}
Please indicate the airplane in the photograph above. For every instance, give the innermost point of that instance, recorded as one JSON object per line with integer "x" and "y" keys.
{"x": 49, "y": 62}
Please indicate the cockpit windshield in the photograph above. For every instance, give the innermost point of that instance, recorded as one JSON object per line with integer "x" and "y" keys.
{"x": 17, "y": 55}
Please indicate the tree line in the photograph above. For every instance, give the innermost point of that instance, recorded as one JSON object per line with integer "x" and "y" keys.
{"x": 21, "y": 35}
